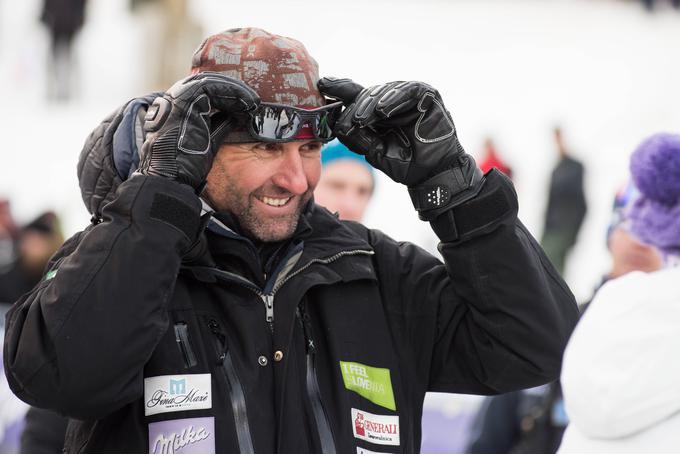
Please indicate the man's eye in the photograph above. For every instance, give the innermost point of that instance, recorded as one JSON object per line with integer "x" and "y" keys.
{"x": 267, "y": 146}
{"x": 311, "y": 148}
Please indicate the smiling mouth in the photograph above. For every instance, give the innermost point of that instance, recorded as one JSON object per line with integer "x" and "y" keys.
{"x": 274, "y": 201}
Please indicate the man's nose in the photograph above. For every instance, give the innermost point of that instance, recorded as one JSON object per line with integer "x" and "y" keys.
{"x": 291, "y": 173}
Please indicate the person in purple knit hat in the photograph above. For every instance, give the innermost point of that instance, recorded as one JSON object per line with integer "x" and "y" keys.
{"x": 619, "y": 374}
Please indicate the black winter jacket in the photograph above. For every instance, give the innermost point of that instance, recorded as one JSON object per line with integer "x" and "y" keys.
{"x": 155, "y": 335}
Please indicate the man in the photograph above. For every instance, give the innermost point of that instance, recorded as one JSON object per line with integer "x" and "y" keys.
{"x": 566, "y": 207}
{"x": 266, "y": 324}
{"x": 346, "y": 184}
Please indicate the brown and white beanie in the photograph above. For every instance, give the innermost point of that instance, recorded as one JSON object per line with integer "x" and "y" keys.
{"x": 278, "y": 68}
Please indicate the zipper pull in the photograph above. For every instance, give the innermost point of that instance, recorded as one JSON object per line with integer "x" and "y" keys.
{"x": 269, "y": 308}
{"x": 221, "y": 338}
{"x": 306, "y": 330}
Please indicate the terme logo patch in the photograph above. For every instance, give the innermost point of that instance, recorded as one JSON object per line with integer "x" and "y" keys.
{"x": 379, "y": 429}
{"x": 167, "y": 393}
{"x": 373, "y": 383}
{"x": 182, "y": 436}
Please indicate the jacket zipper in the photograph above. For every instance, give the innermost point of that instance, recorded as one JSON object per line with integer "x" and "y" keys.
{"x": 236, "y": 394}
{"x": 322, "y": 425}
{"x": 182, "y": 338}
{"x": 268, "y": 298}
{"x": 324, "y": 261}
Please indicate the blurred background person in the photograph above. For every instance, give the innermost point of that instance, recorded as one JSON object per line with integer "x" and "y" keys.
{"x": 171, "y": 36}
{"x": 35, "y": 244}
{"x": 8, "y": 235}
{"x": 38, "y": 240}
{"x": 628, "y": 253}
{"x": 347, "y": 182}
{"x": 490, "y": 159}
{"x": 620, "y": 374}
{"x": 63, "y": 19}
{"x": 533, "y": 421}
{"x": 566, "y": 207}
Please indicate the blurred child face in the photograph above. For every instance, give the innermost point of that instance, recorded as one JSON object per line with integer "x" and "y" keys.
{"x": 629, "y": 254}
{"x": 345, "y": 187}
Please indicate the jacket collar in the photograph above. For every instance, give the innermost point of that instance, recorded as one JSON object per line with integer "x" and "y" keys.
{"x": 320, "y": 230}
{"x": 319, "y": 237}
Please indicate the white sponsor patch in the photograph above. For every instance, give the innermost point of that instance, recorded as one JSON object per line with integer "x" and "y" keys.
{"x": 167, "y": 393}
{"x": 379, "y": 429}
{"x": 366, "y": 451}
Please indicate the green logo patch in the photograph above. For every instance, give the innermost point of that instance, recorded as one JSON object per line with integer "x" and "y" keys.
{"x": 373, "y": 383}
{"x": 50, "y": 275}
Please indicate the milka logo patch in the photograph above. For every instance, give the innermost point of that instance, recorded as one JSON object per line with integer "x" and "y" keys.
{"x": 182, "y": 436}
{"x": 373, "y": 383}
{"x": 168, "y": 393}
{"x": 379, "y": 429}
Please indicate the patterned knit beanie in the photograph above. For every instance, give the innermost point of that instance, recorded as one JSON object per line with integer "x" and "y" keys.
{"x": 278, "y": 68}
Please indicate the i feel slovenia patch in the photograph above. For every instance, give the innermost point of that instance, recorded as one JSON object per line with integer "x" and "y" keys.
{"x": 373, "y": 383}
{"x": 167, "y": 393}
{"x": 185, "y": 436}
{"x": 379, "y": 429}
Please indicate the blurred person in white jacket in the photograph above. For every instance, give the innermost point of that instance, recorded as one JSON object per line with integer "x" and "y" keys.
{"x": 620, "y": 373}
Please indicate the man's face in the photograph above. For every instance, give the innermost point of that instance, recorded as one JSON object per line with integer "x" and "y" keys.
{"x": 265, "y": 185}
{"x": 346, "y": 187}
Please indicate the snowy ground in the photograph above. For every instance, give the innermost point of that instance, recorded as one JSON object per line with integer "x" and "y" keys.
{"x": 605, "y": 70}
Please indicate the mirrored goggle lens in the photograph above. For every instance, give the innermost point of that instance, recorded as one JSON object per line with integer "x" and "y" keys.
{"x": 324, "y": 125}
{"x": 275, "y": 123}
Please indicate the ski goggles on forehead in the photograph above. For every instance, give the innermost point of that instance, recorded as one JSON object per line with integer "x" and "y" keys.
{"x": 272, "y": 122}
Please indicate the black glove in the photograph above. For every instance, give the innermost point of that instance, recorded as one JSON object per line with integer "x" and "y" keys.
{"x": 404, "y": 130}
{"x": 183, "y": 130}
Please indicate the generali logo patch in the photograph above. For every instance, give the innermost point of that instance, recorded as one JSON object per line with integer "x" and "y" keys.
{"x": 379, "y": 429}
{"x": 167, "y": 393}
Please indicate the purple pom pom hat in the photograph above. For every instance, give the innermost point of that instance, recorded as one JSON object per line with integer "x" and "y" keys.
{"x": 654, "y": 216}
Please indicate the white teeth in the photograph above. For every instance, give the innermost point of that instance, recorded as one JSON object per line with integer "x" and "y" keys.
{"x": 275, "y": 202}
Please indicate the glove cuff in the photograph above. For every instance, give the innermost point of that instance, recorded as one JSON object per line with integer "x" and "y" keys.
{"x": 496, "y": 201}
{"x": 446, "y": 190}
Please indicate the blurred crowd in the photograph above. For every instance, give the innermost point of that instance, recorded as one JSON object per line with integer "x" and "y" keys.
{"x": 608, "y": 357}
{"x": 650, "y": 5}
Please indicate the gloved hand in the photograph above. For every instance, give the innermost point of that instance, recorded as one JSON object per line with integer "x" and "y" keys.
{"x": 186, "y": 126}
{"x": 404, "y": 130}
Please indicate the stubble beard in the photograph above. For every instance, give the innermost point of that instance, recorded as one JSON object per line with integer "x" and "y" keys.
{"x": 254, "y": 224}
